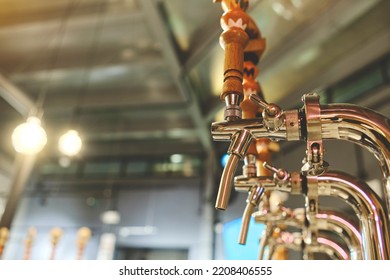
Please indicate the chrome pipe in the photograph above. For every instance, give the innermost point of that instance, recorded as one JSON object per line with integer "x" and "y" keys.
{"x": 327, "y": 221}
{"x": 337, "y": 223}
{"x": 368, "y": 207}
{"x": 225, "y": 130}
{"x": 338, "y": 121}
{"x": 331, "y": 248}
{"x": 324, "y": 244}
{"x": 364, "y": 127}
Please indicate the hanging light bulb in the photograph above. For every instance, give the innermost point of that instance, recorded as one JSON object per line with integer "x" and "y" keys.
{"x": 70, "y": 143}
{"x": 29, "y": 137}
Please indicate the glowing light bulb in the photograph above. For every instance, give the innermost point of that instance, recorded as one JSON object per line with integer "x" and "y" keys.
{"x": 70, "y": 143}
{"x": 29, "y": 137}
{"x": 110, "y": 217}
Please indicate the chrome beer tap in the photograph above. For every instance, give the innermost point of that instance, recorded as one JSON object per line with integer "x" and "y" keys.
{"x": 313, "y": 124}
{"x": 367, "y": 205}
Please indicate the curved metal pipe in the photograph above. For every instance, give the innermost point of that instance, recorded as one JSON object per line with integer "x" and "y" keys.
{"x": 226, "y": 182}
{"x": 335, "y": 222}
{"x": 246, "y": 217}
{"x": 364, "y": 127}
{"x": 253, "y": 200}
{"x": 324, "y": 244}
{"x": 237, "y": 150}
{"x": 368, "y": 207}
{"x": 327, "y": 221}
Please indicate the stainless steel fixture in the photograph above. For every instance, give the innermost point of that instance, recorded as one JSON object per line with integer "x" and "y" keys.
{"x": 314, "y": 124}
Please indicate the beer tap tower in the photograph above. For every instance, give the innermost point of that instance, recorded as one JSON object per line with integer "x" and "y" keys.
{"x": 249, "y": 134}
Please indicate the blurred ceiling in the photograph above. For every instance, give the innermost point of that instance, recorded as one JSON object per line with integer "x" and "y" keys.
{"x": 140, "y": 79}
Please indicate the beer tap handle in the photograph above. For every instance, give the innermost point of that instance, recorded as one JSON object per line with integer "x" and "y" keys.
{"x": 4, "y": 234}
{"x": 32, "y": 232}
{"x": 272, "y": 114}
{"x": 55, "y": 235}
{"x": 258, "y": 101}
{"x": 280, "y": 175}
{"x": 83, "y": 234}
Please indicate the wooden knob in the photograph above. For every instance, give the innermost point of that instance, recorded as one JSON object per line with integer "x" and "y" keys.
{"x": 83, "y": 234}
{"x": 56, "y": 234}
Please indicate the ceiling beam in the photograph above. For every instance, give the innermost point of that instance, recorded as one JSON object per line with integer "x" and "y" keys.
{"x": 140, "y": 148}
{"x": 162, "y": 34}
{"x": 61, "y": 185}
{"x": 19, "y": 100}
{"x": 53, "y": 10}
{"x": 65, "y": 101}
{"x": 347, "y": 65}
{"x": 74, "y": 59}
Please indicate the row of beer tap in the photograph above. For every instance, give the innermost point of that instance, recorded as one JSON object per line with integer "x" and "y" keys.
{"x": 254, "y": 127}
{"x": 83, "y": 236}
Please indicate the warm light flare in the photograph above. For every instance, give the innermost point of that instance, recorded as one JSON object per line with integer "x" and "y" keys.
{"x": 70, "y": 143}
{"x": 29, "y": 137}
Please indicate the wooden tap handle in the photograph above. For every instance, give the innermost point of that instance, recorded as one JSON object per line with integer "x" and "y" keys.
{"x": 233, "y": 40}
{"x": 83, "y": 234}
{"x": 32, "y": 232}
{"x": 55, "y": 235}
{"x": 4, "y": 234}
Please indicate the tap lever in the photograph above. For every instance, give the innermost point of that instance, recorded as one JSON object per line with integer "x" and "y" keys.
{"x": 273, "y": 117}
{"x": 281, "y": 176}
{"x": 272, "y": 110}
{"x": 258, "y": 100}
